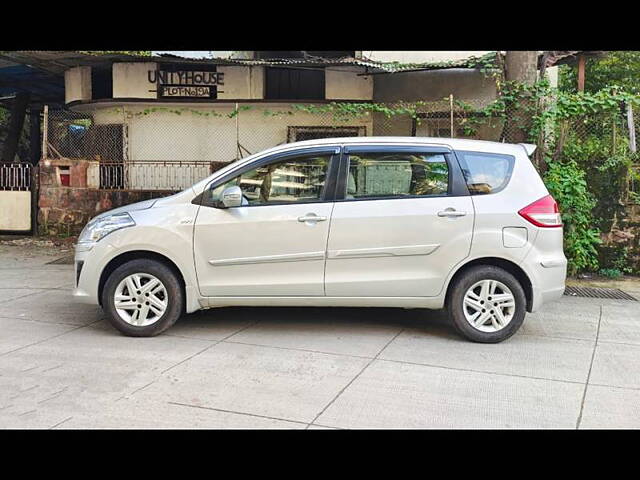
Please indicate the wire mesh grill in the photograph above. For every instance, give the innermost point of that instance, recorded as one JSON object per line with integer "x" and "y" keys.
{"x": 170, "y": 148}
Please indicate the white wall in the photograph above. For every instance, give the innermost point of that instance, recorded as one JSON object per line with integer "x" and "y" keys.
{"x": 131, "y": 80}
{"x": 77, "y": 84}
{"x": 343, "y": 83}
{"x": 163, "y": 135}
{"x": 15, "y": 211}
{"x": 241, "y": 83}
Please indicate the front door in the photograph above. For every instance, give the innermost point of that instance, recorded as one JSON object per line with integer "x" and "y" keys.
{"x": 273, "y": 245}
{"x": 405, "y": 221}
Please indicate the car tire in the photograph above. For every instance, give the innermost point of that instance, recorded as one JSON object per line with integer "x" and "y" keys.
{"x": 471, "y": 291}
{"x": 132, "y": 282}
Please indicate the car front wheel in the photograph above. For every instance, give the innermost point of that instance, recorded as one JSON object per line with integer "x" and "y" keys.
{"x": 487, "y": 304}
{"x": 142, "y": 298}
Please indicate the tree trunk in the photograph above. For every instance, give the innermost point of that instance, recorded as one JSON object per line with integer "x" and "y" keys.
{"x": 16, "y": 122}
{"x": 520, "y": 67}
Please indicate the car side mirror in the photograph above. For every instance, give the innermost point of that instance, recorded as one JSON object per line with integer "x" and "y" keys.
{"x": 231, "y": 197}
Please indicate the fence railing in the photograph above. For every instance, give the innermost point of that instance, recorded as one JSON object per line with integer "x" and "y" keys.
{"x": 15, "y": 176}
{"x": 152, "y": 175}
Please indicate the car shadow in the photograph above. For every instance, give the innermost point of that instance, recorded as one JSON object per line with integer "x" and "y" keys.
{"x": 432, "y": 322}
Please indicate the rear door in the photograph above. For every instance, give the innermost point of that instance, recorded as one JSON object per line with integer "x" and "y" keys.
{"x": 403, "y": 218}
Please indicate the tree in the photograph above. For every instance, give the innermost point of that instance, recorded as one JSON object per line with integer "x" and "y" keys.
{"x": 521, "y": 69}
{"x": 621, "y": 68}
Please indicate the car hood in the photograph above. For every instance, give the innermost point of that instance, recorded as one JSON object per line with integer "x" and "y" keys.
{"x": 129, "y": 208}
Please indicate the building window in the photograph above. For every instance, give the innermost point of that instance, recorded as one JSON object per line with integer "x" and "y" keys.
{"x": 101, "y": 83}
{"x": 294, "y": 84}
{"x": 297, "y": 134}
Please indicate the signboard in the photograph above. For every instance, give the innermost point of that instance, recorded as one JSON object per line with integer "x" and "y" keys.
{"x": 186, "y": 83}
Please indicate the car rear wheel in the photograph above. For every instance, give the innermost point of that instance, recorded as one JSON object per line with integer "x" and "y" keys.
{"x": 142, "y": 298}
{"x": 486, "y": 304}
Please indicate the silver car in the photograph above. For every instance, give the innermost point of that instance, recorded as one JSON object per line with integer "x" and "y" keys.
{"x": 374, "y": 222}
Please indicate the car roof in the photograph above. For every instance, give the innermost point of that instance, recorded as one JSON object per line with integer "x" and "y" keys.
{"x": 453, "y": 143}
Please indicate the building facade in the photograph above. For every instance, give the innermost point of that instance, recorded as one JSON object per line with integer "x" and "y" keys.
{"x": 132, "y": 127}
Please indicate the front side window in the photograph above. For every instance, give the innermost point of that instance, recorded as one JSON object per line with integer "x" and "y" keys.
{"x": 390, "y": 174}
{"x": 485, "y": 172}
{"x": 291, "y": 180}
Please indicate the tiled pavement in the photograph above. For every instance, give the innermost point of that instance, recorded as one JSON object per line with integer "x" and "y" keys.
{"x": 575, "y": 364}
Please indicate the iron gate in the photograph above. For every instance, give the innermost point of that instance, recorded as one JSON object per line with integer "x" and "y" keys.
{"x": 16, "y": 202}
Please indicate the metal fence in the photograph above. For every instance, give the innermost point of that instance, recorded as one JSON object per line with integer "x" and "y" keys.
{"x": 15, "y": 176}
{"x": 170, "y": 148}
{"x": 151, "y": 175}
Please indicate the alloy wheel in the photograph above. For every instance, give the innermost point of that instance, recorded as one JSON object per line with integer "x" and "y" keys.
{"x": 140, "y": 299}
{"x": 489, "y": 305}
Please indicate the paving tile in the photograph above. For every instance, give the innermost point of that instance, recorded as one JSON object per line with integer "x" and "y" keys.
{"x": 523, "y": 355}
{"x": 285, "y": 384}
{"x": 564, "y": 319}
{"x": 82, "y": 370}
{"x": 20, "y": 333}
{"x": 9, "y": 294}
{"x": 55, "y": 306}
{"x": 340, "y": 331}
{"x": 213, "y": 324}
{"x": 620, "y": 323}
{"x": 616, "y": 365}
{"x": 129, "y": 413}
{"x": 393, "y": 395}
{"x": 38, "y": 278}
{"x": 610, "y": 407}
{"x": 29, "y": 256}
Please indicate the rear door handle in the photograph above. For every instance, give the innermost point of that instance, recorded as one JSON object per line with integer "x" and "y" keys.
{"x": 450, "y": 212}
{"x": 311, "y": 217}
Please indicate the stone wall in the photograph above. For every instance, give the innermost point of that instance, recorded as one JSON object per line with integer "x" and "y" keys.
{"x": 64, "y": 210}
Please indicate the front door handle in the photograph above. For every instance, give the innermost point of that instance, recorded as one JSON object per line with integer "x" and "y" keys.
{"x": 451, "y": 212}
{"x": 311, "y": 217}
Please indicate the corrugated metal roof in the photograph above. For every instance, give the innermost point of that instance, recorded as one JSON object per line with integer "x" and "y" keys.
{"x": 58, "y": 61}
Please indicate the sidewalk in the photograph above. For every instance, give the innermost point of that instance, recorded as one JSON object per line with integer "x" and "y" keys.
{"x": 575, "y": 364}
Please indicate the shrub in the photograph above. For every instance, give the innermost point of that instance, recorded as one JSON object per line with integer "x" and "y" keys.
{"x": 566, "y": 182}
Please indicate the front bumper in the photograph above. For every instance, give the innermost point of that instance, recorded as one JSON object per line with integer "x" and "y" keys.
{"x": 88, "y": 267}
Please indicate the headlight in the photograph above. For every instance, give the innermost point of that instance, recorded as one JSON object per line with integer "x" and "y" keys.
{"x": 99, "y": 228}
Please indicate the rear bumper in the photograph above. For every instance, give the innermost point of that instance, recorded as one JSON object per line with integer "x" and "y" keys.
{"x": 548, "y": 278}
{"x": 540, "y": 297}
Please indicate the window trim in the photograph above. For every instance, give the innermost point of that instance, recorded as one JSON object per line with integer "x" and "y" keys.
{"x": 512, "y": 165}
{"x": 327, "y": 193}
{"x": 457, "y": 185}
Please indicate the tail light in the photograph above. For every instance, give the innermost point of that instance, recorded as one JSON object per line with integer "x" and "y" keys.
{"x": 543, "y": 213}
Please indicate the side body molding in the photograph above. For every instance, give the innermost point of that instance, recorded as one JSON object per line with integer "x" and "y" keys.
{"x": 384, "y": 251}
{"x": 293, "y": 257}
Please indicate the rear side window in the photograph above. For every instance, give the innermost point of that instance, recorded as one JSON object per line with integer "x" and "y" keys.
{"x": 485, "y": 172}
{"x": 375, "y": 175}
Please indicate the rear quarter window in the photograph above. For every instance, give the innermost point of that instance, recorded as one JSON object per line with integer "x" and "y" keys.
{"x": 485, "y": 172}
